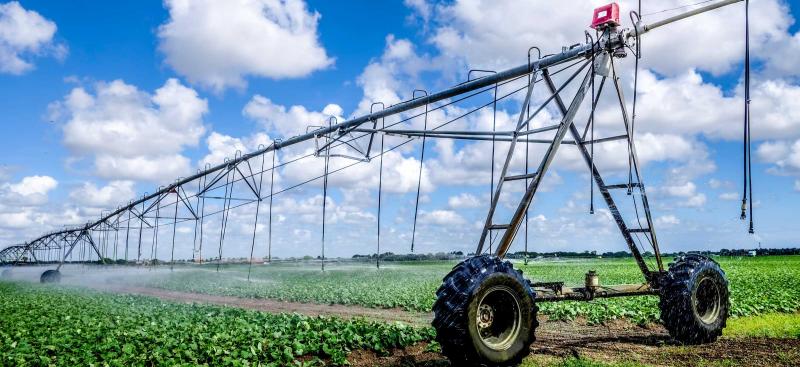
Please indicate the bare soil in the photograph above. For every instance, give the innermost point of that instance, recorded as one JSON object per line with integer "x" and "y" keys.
{"x": 267, "y": 305}
{"x": 651, "y": 345}
{"x": 617, "y": 341}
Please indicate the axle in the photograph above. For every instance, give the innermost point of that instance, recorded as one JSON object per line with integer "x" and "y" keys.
{"x": 555, "y": 292}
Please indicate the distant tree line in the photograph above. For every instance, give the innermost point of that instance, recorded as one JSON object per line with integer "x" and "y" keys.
{"x": 623, "y": 254}
{"x": 760, "y": 252}
{"x": 390, "y": 256}
{"x": 457, "y": 255}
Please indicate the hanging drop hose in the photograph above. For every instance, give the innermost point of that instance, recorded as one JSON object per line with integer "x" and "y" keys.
{"x": 591, "y": 124}
{"x": 531, "y": 79}
{"x": 325, "y": 193}
{"x": 748, "y": 164}
{"x": 380, "y": 183}
{"x": 380, "y": 194}
{"x": 271, "y": 195}
{"x": 494, "y": 129}
{"x": 255, "y": 226}
{"x": 637, "y": 55}
{"x": 421, "y": 162}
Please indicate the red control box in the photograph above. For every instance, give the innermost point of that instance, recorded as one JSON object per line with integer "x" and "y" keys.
{"x": 606, "y": 16}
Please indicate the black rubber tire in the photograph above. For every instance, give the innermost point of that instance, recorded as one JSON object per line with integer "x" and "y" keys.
{"x": 50, "y": 276}
{"x": 455, "y": 312}
{"x": 680, "y": 314}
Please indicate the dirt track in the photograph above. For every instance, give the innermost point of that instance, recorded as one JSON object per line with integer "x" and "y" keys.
{"x": 619, "y": 342}
{"x": 615, "y": 341}
{"x": 267, "y": 305}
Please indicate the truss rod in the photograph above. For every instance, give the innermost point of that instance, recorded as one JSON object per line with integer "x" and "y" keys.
{"x": 566, "y": 124}
{"x": 490, "y": 80}
{"x": 602, "y": 188}
{"x": 644, "y": 28}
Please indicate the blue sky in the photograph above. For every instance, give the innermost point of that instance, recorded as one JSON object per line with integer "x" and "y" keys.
{"x": 237, "y": 88}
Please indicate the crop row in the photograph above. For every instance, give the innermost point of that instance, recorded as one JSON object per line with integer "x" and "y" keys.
{"x": 758, "y": 285}
{"x": 44, "y": 326}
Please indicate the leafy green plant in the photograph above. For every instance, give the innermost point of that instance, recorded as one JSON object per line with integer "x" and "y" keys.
{"x": 49, "y": 326}
{"x": 412, "y": 286}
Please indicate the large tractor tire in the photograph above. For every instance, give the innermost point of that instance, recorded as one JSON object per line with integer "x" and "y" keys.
{"x": 485, "y": 313}
{"x": 694, "y": 300}
{"x": 50, "y": 276}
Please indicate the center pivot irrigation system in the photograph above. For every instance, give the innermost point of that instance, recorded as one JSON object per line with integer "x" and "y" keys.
{"x": 485, "y": 313}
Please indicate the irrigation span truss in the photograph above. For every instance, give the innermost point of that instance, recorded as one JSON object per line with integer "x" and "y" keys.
{"x": 585, "y": 69}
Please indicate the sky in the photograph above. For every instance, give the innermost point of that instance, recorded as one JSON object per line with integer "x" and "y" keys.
{"x": 104, "y": 101}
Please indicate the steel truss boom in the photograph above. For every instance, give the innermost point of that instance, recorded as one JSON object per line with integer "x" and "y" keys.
{"x": 66, "y": 239}
{"x": 566, "y": 56}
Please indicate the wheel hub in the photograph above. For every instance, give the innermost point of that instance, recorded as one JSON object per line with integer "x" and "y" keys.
{"x": 485, "y": 316}
{"x": 498, "y": 318}
{"x": 707, "y": 301}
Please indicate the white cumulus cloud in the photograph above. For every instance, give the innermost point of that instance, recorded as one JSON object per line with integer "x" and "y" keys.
{"x": 464, "y": 201}
{"x": 222, "y": 146}
{"x": 33, "y": 185}
{"x": 394, "y": 72}
{"x": 442, "y": 217}
{"x": 667, "y": 221}
{"x": 285, "y": 122}
{"x": 688, "y": 192}
{"x": 783, "y": 155}
{"x": 25, "y": 33}
{"x": 132, "y": 134}
{"x": 31, "y": 190}
{"x": 217, "y": 44}
{"x": 109, "y": 196}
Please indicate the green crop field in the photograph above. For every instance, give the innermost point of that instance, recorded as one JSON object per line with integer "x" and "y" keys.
{"x": 69, "y": 325}
{"x": 758, "y": 285}
{"x": 43, "y": 326}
